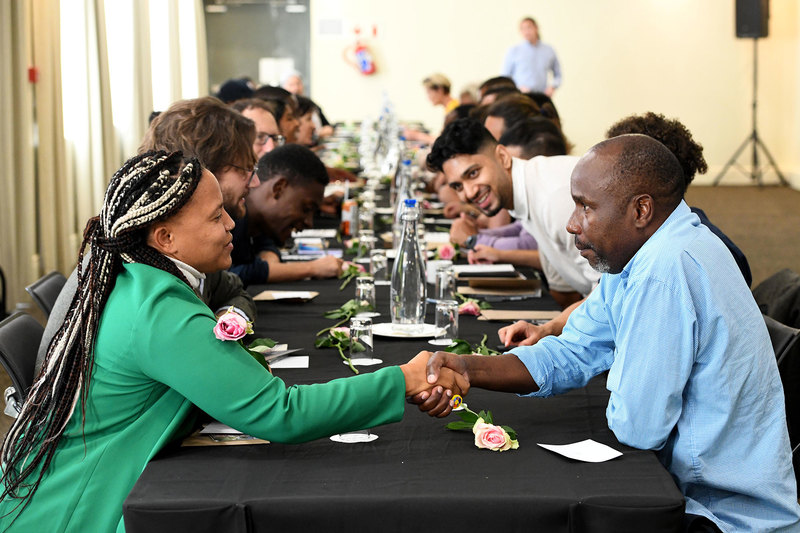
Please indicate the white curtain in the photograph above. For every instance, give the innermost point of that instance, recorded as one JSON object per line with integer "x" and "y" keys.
{"x": 100, "y": 74}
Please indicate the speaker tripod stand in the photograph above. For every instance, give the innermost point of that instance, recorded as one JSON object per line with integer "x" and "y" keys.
{"x": 755, "y": 173}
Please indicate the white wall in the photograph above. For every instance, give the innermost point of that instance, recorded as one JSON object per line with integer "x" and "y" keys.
{"x": 677, "y": 57}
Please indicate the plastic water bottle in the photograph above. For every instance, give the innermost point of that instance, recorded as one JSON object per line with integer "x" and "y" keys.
{"x": 407, "y": 295}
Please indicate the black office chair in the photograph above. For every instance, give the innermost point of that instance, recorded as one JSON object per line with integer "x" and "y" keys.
{"x": 783, "y": 338}
{"x": 787, "y": 353}
{"x": 45, "y": 291}
{"x": 20, "y": 335}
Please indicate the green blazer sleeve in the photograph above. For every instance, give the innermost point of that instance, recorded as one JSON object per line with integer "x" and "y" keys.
{"x": 172, "y": 341}
{"x": 223, "y": 289}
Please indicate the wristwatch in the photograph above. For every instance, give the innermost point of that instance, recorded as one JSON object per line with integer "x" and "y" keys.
{"x": 470, "y": 242}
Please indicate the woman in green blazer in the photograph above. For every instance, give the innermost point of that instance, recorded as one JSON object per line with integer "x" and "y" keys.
{"x": 137, "y": 351}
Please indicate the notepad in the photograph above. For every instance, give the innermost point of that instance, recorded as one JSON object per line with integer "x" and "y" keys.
{"x": 498, "y": 269}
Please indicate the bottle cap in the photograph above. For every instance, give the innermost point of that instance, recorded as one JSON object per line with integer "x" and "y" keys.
{"x": 407, "y": 162}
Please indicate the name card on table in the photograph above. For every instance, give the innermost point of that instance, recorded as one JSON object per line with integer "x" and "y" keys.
{"x": 511, "y": 316}
{"x": 288, "y": 296}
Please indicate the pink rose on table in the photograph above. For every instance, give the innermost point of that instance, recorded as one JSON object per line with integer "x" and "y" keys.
{"x": 469, "y": 307}
{"x": 492, "y": 437}
{"x": 344, "y": 330}
{"x": 349, "y": 264}
{"x": 447, "y": 252}
{"x": 232, "y": 326}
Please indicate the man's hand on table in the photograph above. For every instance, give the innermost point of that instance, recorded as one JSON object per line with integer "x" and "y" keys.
{"x": 522, "y": 333}
{"x": 462, "y": 227}
{"x": 326, "y": 267}
{"x": 482, "y": 255}
{"x": 432, "y": 396}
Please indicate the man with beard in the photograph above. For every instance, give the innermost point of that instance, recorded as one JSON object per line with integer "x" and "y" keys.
{"x": 691, "y": 371}
{"x": 536, "y": 192}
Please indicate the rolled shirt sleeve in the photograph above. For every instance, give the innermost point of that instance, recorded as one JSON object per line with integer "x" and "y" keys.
{"x": 584, "y": 349}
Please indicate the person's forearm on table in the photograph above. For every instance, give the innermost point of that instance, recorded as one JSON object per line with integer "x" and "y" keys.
{"x": 556, "y": 325}
{"x": 520, "y": 257}
{"x": 504, "y": 373}
{"x": 279, "y": 272}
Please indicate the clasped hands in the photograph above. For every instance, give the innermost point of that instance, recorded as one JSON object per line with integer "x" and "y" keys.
{"x": 432, "y": 379}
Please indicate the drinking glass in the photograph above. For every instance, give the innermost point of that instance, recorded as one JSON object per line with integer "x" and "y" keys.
{"x": 446, "y": 322}
{"x": 366, "y": 216}
{"x": 365, "y": 296}
{"x": 366, "y": 243}
{"x": 445, "y": 283}
{"x": 361, "y": 353}
{"x": 378, "y": 266}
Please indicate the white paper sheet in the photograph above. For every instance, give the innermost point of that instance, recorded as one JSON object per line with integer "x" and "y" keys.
{"x": 483, "y": 269}
{"x": 293, "y": 361}
{"x": 319, "y": 233}
{"x": 218, "y": 428}
{"x": 437, "y": 237}
{"x": 288, "y": 295}
{"x": 588, "y": 450}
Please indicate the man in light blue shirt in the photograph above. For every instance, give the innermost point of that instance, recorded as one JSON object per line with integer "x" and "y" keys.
{"x": 692, "y": 374}
{"x": 529, "y": 62}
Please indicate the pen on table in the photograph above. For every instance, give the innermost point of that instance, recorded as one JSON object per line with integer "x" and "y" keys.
{"x": 507, "y": 298}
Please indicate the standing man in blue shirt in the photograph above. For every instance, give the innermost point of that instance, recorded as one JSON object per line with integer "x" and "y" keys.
{"x": 692, "y": 374}
{"x": 529, "y": 62}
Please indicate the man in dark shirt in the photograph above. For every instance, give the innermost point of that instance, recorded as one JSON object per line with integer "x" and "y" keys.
{"x": 293, "y": 182}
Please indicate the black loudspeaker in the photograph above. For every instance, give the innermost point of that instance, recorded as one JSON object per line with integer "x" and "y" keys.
{"x": 752, "y": 18}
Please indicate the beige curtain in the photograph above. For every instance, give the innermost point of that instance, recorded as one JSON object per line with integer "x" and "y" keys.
{"x": 18, "y": 222}
{"x": 64, "y": 135}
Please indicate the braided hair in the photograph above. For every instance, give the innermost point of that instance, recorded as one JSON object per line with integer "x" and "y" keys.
{"x": 149, "y": 187}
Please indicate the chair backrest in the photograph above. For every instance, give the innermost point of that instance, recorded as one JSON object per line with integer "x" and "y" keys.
{"x": 45, "y": 291}
{"x": 779, "y": 297}
{"x": 782, "y": 336}
{"x": 20, "y": 335}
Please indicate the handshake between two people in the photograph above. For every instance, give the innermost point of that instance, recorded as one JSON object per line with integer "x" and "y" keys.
{"x": 433, "y": 379}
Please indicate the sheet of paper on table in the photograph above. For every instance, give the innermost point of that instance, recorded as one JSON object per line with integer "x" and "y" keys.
{"x": 437, "y": 237}
{"x": 335, "y": 252}
{"x": 497, "y": 269}
{"x": 588, "y": 451}
{"x": 269, "y": 296}
{"x": 218, "y": 428}
{"x": 318, "y": 233}
{"x": 478, "y": 291}
{"x": 509, "y": 315}
{"x": 218, "y": 434}
{"x": 292, "y": 361}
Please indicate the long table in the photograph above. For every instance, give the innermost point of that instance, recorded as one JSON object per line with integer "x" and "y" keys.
{"x": 416, "y": 475}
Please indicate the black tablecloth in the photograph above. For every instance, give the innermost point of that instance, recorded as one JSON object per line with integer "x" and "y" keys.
{"x": 417, "y": 475}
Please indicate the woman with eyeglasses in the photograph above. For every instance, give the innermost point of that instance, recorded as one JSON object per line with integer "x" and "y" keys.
{"x": 137, "y": 352}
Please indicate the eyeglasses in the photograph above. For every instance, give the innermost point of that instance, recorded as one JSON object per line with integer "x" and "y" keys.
{"x": 247, "y": 172}
{"x": 278, "y": 139}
